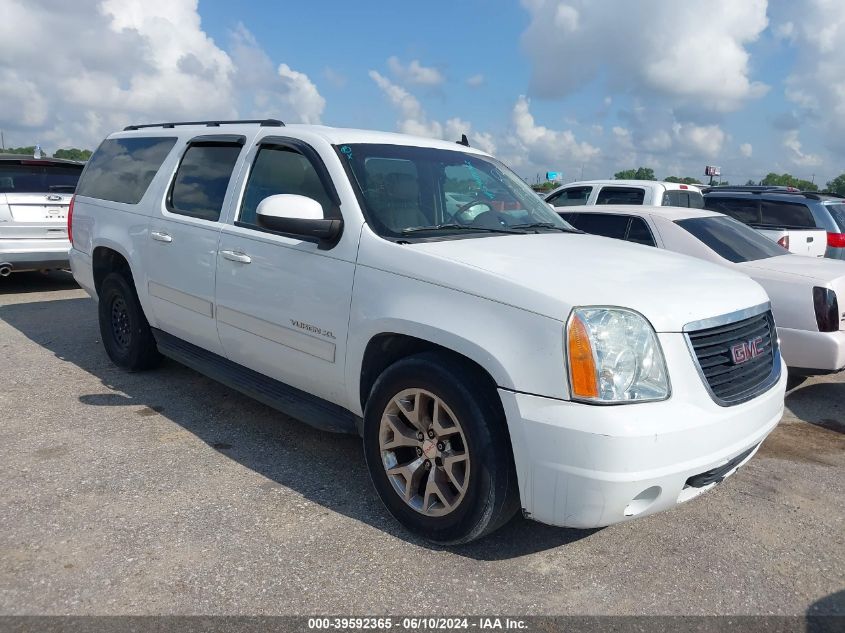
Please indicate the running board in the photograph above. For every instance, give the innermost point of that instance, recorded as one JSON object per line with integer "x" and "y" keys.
{"x": 314, "y": 411}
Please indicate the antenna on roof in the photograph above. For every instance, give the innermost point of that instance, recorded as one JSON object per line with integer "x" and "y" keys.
{"x": 464, "y": 141}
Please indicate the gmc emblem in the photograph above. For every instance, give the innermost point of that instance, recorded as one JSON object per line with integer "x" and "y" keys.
{"x": 745, "y": 351}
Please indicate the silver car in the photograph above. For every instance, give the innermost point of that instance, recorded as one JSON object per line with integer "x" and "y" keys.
{"x": 34, "y": 197}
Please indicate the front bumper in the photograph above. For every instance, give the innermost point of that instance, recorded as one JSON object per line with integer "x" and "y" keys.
{"x": 807, "y": 353}
{"x": 34, "y": 254}
{"x": 589, "y": 466}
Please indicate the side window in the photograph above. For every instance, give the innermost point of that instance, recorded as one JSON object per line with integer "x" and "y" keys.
{"x": 639, "y": 232}
{"x": 279, "y": 170}
{"x": 202, "y": 179}
{"x": 605, "y": 224}
{"x": 746, "y": 211}
{"x": 572, "y": 197}
{"x": 786, "y": 214}
{"x": 122, "y": 169}
{"x": 621, "y": 195}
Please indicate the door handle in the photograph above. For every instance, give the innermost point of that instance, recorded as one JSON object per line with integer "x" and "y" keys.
{"x": 236, "y": 256}
{"x": 160, "y": 236}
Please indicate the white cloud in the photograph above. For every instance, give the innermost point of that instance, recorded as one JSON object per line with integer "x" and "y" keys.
{"x": 688, "y": 52}
{"x": 414, "y": 73}
{"x": 546, "y": 147}
{"x": 699, "y": 140}
{"x": 815, "y": 81}
{"x": 131, "y": 61}
{"x": 414, "y": 120}
{"x": 746, "y": 150}
{"x": 475, "y": 80}
{"x": 797, "y": 155}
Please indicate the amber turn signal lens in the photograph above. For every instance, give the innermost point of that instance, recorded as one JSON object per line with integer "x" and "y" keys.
{"x": 582, "y": 366}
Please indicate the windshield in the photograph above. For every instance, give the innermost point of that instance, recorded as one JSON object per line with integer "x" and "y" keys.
{"x": 428, "y": 192}
{"x": 47, "y": 178}
{"x": 732, "y": 239}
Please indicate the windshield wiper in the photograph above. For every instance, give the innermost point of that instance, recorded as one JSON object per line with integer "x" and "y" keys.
{"x": 545, "y": 225}
{"x": 457, "y": 227}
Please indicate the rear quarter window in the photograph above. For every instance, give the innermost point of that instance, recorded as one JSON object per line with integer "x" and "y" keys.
{"x": 122, "y": 169}
{"x": 837, "y": 211}
{"x": 786, "y": 214}
{"x": 621, "y": 195}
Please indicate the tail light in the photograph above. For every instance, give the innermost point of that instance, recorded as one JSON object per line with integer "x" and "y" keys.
{"x": 70, "y": 220}
{"x": 827, "y": 309}
{"x": 836, "y": 240}
{"x": 784, "y": 241}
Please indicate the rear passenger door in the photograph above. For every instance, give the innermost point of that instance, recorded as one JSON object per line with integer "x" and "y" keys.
{"x": 283, "y": 302}
{"x": 183, "y": 238}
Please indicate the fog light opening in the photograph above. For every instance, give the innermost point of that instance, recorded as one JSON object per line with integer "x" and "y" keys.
{"x": 642, "y": 501}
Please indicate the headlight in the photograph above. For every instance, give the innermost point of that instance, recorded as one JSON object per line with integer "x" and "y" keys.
{"x": 614, "y": 356}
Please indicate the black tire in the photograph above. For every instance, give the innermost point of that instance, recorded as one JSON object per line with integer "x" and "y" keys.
{"x": 124, "y": 329}
{"x": 492, "y": 496}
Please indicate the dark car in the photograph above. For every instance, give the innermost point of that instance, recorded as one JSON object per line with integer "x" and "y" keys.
{"x": 781, "y": 207}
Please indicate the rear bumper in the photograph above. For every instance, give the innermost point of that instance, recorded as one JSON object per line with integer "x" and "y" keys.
{"x": 807, "y": 353}
{"x": 83, "y": 271}
{"x": 590, "y": 466}
{"x": 34, "y": 254}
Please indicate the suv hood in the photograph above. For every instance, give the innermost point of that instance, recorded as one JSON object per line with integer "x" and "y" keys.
{"x": 550, "y": 273}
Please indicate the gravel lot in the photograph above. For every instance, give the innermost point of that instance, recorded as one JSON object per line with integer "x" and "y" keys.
{"x": 165, "y": 492}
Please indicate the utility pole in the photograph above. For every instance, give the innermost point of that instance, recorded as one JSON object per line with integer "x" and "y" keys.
{"x": 2, "y": 141}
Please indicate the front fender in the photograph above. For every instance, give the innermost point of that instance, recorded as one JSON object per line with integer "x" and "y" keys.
{"x": 521, "y": 350}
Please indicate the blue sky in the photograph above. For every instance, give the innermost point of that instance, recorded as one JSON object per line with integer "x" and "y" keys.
{"x": 576, "y": 86}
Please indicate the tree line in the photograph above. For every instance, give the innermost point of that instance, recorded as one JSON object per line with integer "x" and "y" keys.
{"x": 70, "y": 153}
{"x": 837, "y": 185}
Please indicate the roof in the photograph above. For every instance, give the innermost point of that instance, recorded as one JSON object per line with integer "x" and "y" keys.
{"x": 332, "y": 135}
{"x": 670, "y": 213}
{"x": 31, "y": 159}
{"x": 637, "y": 183}
{"x": 770, "y": 194}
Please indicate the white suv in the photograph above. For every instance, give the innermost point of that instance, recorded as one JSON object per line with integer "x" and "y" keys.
{"x": 417, "y": 292}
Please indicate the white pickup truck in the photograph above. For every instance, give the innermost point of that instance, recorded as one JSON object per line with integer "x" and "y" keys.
{"x": 417, "y": 292}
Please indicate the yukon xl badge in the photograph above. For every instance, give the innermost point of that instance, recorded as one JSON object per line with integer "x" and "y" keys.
{"x": 745, "y": 351}
{"x": 311, "y": 328}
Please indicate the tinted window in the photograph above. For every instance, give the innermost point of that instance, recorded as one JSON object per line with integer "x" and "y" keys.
{"x": 279, "y": 170}
{"x": 838, "y": 213}
{"x": 604, "y": 224}
{"x": 788, "y": 214}
{"x": 122, "y": 169}
{"x": 683, "y": 198}
{"x": 639, "y": 232}
{"x": 575, "y": 196}
{"x": 620, "y": 195}
{"x": 731, "y": 239}
{"x": 47, "y": 178}
{"x": 202, "y": 179}
{"x": 426, "y": 192}
{"x": 746, "y": 210}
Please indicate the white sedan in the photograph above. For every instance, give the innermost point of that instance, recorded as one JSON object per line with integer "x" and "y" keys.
{"x": 807, "y": 294}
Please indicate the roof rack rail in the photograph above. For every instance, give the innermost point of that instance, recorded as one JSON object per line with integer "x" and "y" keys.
{"x": 753, "y": 188}
{"x": 832, "y": 194}
{"x": 261, "y": 122}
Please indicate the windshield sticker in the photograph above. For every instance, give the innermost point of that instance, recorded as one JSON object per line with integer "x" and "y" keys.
{"x": 473, "y": 172}
{"x": 347, "y": 151}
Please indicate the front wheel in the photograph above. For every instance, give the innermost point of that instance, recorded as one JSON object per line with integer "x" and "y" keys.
{"x": 438, "y": 450}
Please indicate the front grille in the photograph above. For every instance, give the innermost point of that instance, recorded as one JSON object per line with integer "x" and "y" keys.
{"x": 731, "y": 382}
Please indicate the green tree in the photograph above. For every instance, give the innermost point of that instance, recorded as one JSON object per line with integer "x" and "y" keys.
{"x": 788, "y": 180}
{"x": 751, "y": 183}
{"x": 640, "y": 173}
{"x": 545, "y": 186}
{"x": 837, "y": 185}
{"x": 72, "y": 153}
{"x": 20, "y": 150}
{"x": 686, "y": 180}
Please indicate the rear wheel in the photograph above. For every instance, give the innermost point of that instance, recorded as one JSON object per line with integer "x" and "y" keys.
{"x": 124, "y": 329}
{"x": 438, "y": 451}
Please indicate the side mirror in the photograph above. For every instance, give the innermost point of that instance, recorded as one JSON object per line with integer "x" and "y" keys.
{"x": 297, "y": 216}
{"x": 552, "y": 207}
